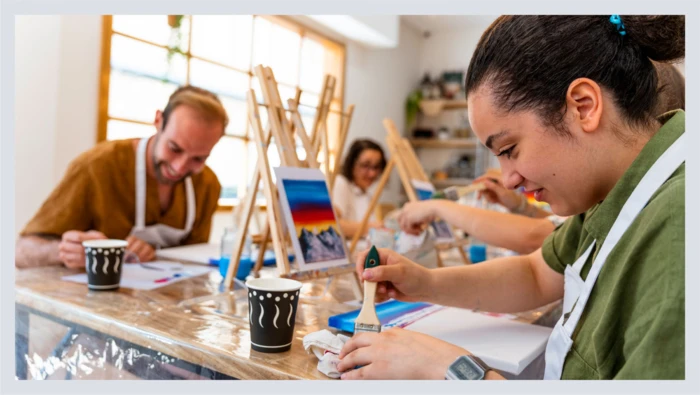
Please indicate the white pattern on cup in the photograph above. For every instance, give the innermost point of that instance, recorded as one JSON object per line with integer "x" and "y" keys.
{"x": 262, "y": 312}
{"x": 277, "y": 314}
{"x": 104, "y": 267}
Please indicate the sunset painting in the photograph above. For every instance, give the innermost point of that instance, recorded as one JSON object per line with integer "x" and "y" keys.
{"x": 310, "y": 204}
{"x": 310, "y": 218}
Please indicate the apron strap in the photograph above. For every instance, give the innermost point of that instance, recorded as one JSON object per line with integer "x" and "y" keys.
{"x": 140, "y": 220}
{"x": 191, "y": 204}
{"x": 659, "y": 172}
{"x": 578, "y": 265}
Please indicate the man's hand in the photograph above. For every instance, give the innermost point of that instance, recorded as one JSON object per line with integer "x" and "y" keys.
{"x": 71, "y": 251}
{"x": 143, "y": 250}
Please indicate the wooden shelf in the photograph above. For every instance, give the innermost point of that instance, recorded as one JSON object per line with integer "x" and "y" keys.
{"x": 448, "y": 182}
{"x": 448, "y": 143}
{"x": 435, "y": 106}
{"x": 454, "y": 104}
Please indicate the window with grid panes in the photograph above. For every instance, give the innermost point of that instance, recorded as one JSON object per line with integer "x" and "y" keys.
{"x": 218, "y": 53}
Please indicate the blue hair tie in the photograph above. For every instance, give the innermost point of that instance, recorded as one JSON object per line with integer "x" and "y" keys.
{"x": 617, "y": 21}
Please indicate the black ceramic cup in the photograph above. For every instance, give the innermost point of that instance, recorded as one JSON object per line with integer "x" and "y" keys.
{"x": 103, "y": 263}
{"x": 272, "y": 304}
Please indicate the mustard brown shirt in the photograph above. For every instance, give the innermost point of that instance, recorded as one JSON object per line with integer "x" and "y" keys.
{"x": 98, "y": 192}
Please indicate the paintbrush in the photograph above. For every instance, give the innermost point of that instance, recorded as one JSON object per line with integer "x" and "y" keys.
{"x": 454, "y": 193}
{"x": 367, "y": 320}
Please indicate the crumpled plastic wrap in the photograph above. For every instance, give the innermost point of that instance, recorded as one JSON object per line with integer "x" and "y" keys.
{"x": 50, "y": 346}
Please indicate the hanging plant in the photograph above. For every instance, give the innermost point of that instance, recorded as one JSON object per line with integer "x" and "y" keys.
{"x": 413, "y": 106}
{"x": 175, "y": 40}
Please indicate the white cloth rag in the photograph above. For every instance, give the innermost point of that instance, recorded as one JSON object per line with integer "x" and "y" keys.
{"x": 325, "y": 346}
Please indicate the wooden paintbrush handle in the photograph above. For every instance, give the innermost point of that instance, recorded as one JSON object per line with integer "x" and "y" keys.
{"x": 370, "y": 292}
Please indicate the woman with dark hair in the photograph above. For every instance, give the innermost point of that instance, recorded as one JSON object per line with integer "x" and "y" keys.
{"x": 362, "y": 167}
{"x": 567, "y": 104}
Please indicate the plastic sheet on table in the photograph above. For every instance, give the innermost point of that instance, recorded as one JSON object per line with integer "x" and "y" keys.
{"x": 65, "y": 331}
{"x": 53, "y": 351}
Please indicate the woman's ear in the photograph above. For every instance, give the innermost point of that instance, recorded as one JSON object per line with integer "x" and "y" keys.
{"x": 585, "y": 99}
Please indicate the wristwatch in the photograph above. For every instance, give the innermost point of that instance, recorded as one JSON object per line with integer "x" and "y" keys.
{"x": 467, "y": 367}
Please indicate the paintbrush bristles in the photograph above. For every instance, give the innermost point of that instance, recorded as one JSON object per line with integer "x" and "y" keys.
{"x": 367, "y": 320}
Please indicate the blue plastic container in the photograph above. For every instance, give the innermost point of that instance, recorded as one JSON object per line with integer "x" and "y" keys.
{"x": 477, "y": 253}
{"x": 244, "y": 267}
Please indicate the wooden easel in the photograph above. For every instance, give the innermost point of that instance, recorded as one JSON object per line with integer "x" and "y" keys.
{"x": 319, "y": 126}
{"x": 281, "y": 131}
{"x": 404, "y": 158}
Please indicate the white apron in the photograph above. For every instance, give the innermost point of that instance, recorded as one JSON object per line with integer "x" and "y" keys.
{"x": 158, "y": 235}
{"x": 577, "y": 291}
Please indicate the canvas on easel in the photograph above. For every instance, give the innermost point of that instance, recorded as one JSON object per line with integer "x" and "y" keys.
{"x": 281, "y": 132}
{"x": 441, "y": 229}
{"x": 310, "y": 217}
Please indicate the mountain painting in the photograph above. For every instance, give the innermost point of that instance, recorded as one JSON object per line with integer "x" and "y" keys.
{"x": 314, "y": 220}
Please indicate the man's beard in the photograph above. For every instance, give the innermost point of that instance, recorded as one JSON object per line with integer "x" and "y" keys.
{"x": 158, "y": 166}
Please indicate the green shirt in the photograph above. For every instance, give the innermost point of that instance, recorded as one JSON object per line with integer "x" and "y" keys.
{"x": 633, "y": 326}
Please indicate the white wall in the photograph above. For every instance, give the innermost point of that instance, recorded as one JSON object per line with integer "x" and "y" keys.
{"x": 56, "y": 81}
{"x": 37, "y": 52}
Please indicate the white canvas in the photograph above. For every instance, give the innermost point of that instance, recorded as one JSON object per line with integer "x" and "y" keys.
{"x": 502, "y": 343}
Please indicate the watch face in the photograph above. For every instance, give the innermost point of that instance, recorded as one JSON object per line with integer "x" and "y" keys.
{"x": 465, "y": 369}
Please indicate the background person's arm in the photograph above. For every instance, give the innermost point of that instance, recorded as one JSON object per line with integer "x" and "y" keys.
{"x": 514, "y": 232}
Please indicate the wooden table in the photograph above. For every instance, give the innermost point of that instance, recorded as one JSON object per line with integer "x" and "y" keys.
{"x": 191, "y": 321}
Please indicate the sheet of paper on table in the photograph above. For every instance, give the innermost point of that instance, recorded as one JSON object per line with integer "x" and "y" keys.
{"x": 195, "y": 253}
{"x": 135, "y": 276}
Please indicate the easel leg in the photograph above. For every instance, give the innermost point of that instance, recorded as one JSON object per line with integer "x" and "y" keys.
{"x": 263, "y": 247}
{"x": 465, "y": 258}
